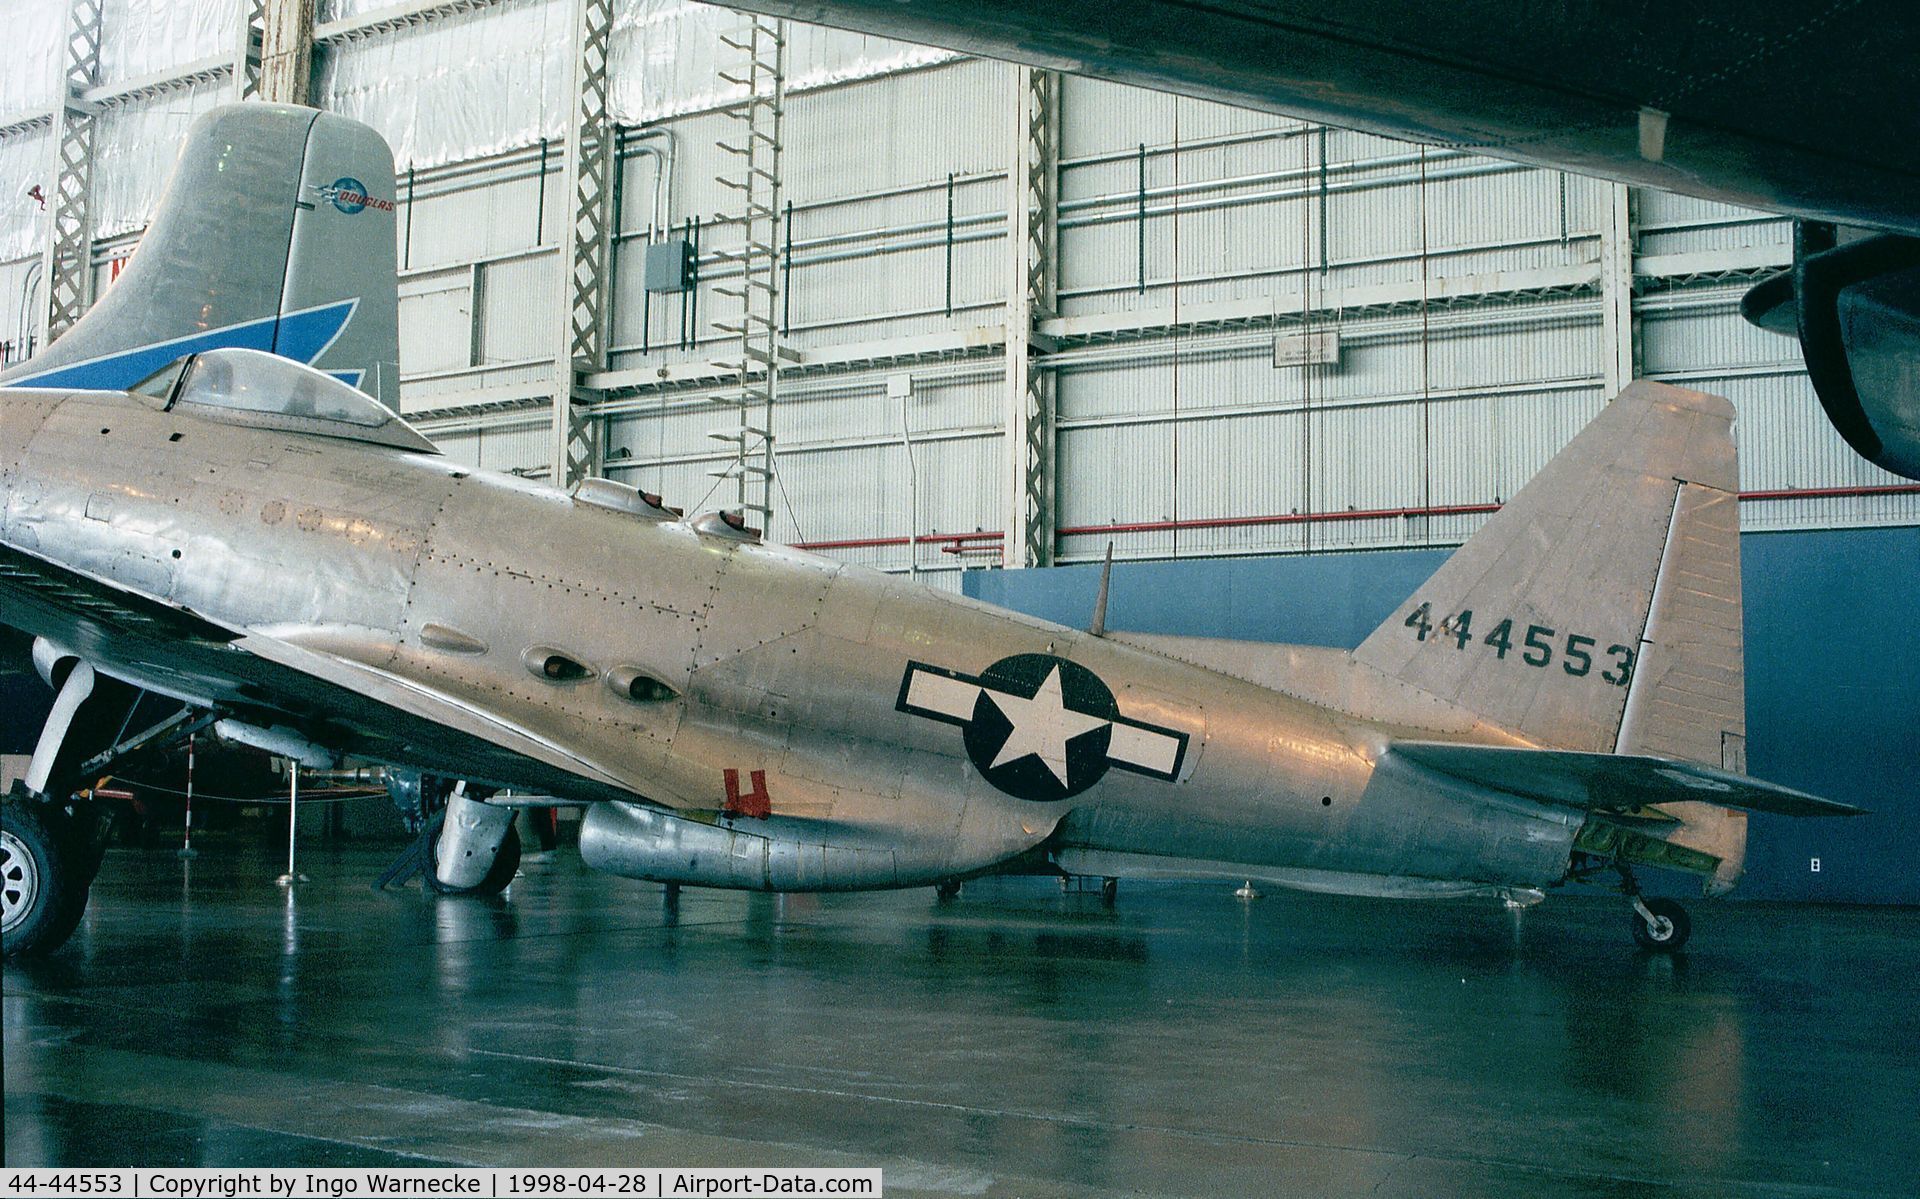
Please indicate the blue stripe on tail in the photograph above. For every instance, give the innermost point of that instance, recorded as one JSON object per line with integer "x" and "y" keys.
{"x": 302, "y": 336}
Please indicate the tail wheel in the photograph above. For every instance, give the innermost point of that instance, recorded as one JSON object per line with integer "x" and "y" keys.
{"x": 1669, "y": 929}
{"x": 43, "y": 879}
{"x": 506, "y": 864}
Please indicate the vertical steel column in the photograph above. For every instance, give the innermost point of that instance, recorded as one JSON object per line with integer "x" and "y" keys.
{"x": 286, "y": 51}
{"x": 755, "y": 175}
{"x": 589, "y": 190}
{"x": 1032, "y": 296}
{"x": 66, "y": 262}
{"x": 252, "y": 43}
{"x": 1616, "y": 289}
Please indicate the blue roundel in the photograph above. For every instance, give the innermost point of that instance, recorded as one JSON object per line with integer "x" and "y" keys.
{"x": 348, "y": 194}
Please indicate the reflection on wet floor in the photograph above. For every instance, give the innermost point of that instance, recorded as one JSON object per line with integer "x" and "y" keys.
{"x": 1017, "y": 1041}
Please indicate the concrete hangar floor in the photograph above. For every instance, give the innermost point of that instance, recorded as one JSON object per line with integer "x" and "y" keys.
{"x": 1017, "y": 1041}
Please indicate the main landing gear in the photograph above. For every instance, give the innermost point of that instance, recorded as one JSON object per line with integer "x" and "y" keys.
{"x": 43, "y": 883}
{"x": 463, "y": 846}
{"x": 51, "y": 840}
{"x": 478, "y": 849}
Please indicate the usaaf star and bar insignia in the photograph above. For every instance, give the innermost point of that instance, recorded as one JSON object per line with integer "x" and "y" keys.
{"x": 1041, "y": 728}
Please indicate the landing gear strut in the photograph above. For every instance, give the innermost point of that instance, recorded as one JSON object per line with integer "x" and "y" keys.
{"x": 462, "y": 845}
{"x": 50, "y": 840}
{"x": 46, "y": 881}
{"x": 1659, "y": 925}
{"x": 478, "y": 849}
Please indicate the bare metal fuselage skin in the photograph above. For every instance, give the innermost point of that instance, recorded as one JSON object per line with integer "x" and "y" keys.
{"x": 789, "y": 672}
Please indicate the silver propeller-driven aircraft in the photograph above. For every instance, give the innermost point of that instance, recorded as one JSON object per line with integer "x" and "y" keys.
{"x": 270, "y": 551}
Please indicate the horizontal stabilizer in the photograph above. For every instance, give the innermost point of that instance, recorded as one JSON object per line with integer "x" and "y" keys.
{"x": 1610, "y": 782}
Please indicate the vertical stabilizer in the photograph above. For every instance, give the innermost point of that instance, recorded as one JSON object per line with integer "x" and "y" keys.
{"x": 276, "y": 232}
{"x": 1599, "y": 610}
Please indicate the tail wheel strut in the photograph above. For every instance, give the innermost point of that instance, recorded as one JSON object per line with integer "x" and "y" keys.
{"x": 1659, "y": 925}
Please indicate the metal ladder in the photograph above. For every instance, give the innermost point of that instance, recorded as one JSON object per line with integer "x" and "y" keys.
{"x": 755, "y": 149}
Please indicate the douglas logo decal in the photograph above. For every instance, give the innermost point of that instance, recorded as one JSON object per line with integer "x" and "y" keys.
{"x": 349, "y": 195}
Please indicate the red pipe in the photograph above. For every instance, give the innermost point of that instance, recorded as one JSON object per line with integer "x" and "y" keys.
{"x": 951, "y": 542}
{"x": 1833, "y": 493}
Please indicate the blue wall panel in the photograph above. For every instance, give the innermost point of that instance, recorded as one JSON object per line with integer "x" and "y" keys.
{"x": 1833, "y": 671}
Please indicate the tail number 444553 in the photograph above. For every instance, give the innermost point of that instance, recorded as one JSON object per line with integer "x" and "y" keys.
{"x": 1534, "y": 645}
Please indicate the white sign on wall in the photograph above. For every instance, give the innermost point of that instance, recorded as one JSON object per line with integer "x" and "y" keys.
{"x": 1318, "y": 348}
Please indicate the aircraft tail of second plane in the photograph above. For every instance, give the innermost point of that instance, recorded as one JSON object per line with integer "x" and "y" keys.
{"x": 276, "y": 233}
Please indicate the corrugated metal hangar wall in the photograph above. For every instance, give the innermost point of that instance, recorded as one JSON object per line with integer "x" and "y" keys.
{"x": 1454, "y": 319}
{"x": 1232, "y": 333}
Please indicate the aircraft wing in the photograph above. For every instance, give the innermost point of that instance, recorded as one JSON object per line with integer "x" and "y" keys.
{"x": 1616, "y": 783}
{"x": 1765, "y": 103}
{"x": 1758, "y": 102}
{"x": 270, "y": 681}
{"x": 446, "y": 714}
{"x": 38, "y": 593}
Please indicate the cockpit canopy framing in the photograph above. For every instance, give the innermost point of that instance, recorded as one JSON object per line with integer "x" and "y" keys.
{"x": 252, "y": 387}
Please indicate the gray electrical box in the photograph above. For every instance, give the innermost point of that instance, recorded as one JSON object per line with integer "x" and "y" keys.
{"x": 669, "y": 265}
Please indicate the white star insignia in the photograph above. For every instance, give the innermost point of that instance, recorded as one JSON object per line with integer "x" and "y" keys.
{"x": 1042, "y": 726}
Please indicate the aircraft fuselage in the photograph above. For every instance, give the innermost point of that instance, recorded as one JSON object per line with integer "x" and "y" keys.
{"x": 908, "y": 734}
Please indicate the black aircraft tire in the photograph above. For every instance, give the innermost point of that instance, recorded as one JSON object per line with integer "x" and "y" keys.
{"x": 506, "y": 864}
{"x": 45, "y": 883}
{"x": 1675, "y": 939}
{"x": 90, "y": 830}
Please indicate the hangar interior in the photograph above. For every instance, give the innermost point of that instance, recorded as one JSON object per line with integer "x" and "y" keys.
{"x": 1018, "y": 315}
{"x": 1244, "y": 334}
{"x": 1015, "y": 317}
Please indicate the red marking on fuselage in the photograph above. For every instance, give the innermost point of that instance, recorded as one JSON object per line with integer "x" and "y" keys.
{"x": 755, "y": 803}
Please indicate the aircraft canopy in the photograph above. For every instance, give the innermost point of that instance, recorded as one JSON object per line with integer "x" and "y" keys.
{"x": 256, "y": 388}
